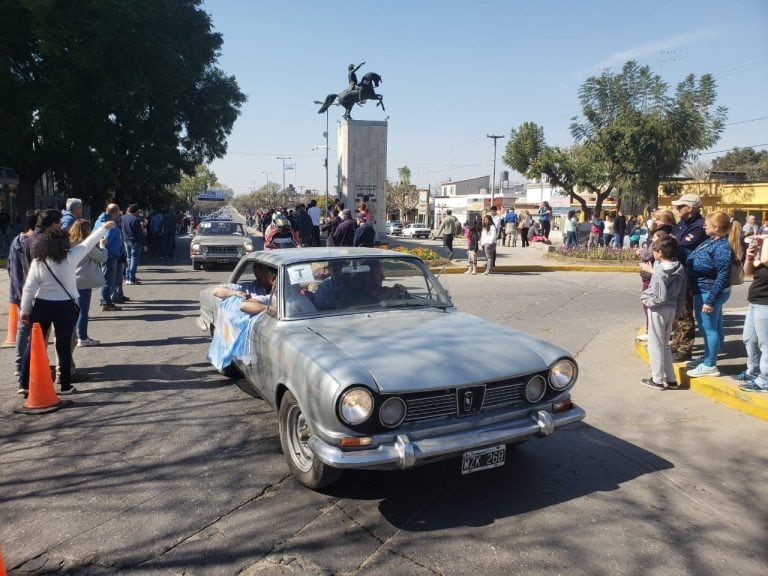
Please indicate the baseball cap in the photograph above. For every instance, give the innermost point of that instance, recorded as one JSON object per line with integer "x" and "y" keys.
{"x": 691, "y": 200}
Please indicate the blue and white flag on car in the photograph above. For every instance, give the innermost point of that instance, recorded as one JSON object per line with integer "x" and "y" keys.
{"x": 230, "y": 337}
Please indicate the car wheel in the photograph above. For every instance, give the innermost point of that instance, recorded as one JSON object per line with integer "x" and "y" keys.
{"x": 294, "y": 439}
{"x": 197, "y": 266}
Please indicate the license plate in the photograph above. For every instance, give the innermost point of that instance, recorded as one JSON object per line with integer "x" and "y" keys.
{"x": 483, "y": 459}
{"x": 223, "y": 260}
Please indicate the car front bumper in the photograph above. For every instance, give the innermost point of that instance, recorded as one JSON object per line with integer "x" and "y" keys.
{"x": 406, "y": 453}
{"x": 216, "y": 258}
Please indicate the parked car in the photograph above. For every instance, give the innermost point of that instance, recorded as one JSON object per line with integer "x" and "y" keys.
{"x": 394, "y": 228}
{"x": 219, "y": 242}
{"x": 350, "y": 392}
{"x": 416, "y": 230}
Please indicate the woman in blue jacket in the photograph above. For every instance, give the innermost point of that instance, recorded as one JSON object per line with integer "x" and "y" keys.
{"x": 709, "y": 270}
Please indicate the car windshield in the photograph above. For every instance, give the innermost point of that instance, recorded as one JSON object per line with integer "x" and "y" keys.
{"x": 221, "y": 229}
{"x": 359, "y": 285}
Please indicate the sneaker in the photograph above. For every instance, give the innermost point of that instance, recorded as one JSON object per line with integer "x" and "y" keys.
{"x": 129, "y": 282}
{"x": 672, "y": 384}
{"x": 693, "y": 363}
{"x": 745, "y": 377}
{"x": 110, "y": 308}
{"x": 474, "y": 272}
{"x": 67, "y": 391}
{"x": 22, "y": 392}
{"x": 752, "y": 387}
{"x": 703, "y": 370}
{"x": 642, "y": 337}
{"x": 122, "y": 299}
{"x": 468, "y": 272}
{"x": 87, "y": 342}
{"x": 651, "y": 383}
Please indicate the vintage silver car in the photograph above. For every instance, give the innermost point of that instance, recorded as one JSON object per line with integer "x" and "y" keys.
{"x": 219, "y": 242}
{"x": 369, "y": 365}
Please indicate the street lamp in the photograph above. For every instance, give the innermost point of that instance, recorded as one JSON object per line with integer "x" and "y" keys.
{"x": 493, "y": 181}
{"x": 283, "y": 158}
{"x": 326, "y": 154}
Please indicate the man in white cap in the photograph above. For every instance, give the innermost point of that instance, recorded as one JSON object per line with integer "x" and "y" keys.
{"x": 689, "y": 233}
{"x": 73, "y": 212}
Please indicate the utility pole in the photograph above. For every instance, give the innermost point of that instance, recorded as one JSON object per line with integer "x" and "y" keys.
{"x": 326, "y": 155}
{"x": 493, "y": 181}
{"x": 267, "y": 174}
{"x": 283, "y": 158}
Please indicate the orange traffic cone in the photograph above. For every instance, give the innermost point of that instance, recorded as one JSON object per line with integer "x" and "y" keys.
{"x": 2, "y": 564}
{"x": 13, "y": 326}
{"x": 42, "y": 396}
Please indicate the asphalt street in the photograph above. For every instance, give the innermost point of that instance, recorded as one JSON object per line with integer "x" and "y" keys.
{"x": 163, "y": 466}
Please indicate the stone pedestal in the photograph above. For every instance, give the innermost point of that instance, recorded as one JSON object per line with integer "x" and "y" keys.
{"x": 362, "y": 164}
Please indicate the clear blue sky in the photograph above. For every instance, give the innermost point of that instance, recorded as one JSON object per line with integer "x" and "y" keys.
{"x": 455, "y": 71}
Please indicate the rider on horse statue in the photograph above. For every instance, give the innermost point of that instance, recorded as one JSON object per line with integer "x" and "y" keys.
{"x": 356, "y": 92}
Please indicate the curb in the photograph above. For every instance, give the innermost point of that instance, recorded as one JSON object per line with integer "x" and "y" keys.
{"x": 535, "y": 268}
{"x": 721, "y": 389}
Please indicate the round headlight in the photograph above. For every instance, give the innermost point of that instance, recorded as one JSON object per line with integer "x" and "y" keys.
{"x": 195, "y": 247}
{"x": 356, "y": 405}
{"x": 204, "y": 250}
{"x": 535, "y": 389}
{"x": 562, "y": 374}
{"x": 248, "y": 247}
{"x": 392, "y": 412}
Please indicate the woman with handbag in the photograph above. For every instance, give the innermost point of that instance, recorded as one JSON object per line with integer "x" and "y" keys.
{"x": 49, "y": 296}
{"x": 709, "y": 279}
{"x": 88, "y": 276}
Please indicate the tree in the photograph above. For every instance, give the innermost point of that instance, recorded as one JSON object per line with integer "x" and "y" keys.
{"x": 117, "y": 97}
{"x": 402, "y": 196}
{"x": 573, "y": 169}
{"x": 753, "y": 164}
{"x": 631, "y": 134}
{"x": 640, "y": 133}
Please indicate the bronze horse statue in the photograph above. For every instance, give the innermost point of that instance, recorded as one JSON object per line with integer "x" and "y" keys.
{"x": 358, "y": 95}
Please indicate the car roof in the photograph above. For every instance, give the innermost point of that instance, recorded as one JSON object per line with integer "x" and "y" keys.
{"x": 287, "y": 256}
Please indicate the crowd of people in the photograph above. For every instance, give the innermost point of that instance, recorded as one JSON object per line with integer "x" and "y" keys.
{"x": 60, "y": 258}
{"x": 687, "y": 269}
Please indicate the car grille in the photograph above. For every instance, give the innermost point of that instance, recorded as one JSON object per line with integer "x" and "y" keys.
{"x": 442, "y": 404}
{"x": 222, "y": 250}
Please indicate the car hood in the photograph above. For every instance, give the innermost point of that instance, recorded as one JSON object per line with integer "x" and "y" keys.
{"x": 221, "y": 240}
{"x": 415, "y": 351}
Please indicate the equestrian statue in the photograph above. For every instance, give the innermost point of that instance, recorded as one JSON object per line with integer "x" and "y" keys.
{"x": 356, "y": 92}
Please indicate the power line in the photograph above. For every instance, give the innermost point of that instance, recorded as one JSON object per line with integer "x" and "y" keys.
{"x": 748, "y": 121}
{"x": 734, "y": 148}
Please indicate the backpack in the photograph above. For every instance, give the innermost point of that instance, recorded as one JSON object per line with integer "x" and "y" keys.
{"x": 458, "y": 228}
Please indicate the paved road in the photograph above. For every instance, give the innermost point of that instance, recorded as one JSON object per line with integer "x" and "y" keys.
{"x": 163, "y": 466}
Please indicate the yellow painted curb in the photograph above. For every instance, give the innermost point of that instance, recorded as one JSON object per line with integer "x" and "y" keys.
{"x": 721, "y": 389}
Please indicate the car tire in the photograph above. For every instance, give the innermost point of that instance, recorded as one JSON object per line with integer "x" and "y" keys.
{"x": 294, "y": 436}
{"x": 197, "y": 266}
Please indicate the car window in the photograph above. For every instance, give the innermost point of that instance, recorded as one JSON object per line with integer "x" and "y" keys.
{"x": 359, "y": 284}
{"x": 221, "y": 229}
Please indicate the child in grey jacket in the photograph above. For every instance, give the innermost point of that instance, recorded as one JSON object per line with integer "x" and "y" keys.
{"x": 663, "y": 298}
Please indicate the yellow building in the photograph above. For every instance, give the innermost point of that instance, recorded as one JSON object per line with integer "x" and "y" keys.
{"x": 739, "y": 199}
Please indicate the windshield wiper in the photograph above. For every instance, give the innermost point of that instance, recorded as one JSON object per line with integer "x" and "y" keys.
{"x": 429, "y": 302}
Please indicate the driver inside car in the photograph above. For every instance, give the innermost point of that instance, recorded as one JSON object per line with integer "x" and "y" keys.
{"x": 255, "y": 293}
{"x": 373, "y": 290}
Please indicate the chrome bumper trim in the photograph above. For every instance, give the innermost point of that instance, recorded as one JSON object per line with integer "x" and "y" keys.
{"x": 404, "y": 453}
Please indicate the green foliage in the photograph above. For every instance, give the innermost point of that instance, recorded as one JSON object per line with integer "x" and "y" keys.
{"x": 753, "y": 164}
{"x": 631, "y": 134}
{"x": 117, "y": 97}
{"x": 402, "y": 196}
{"x": 596, "y": 254}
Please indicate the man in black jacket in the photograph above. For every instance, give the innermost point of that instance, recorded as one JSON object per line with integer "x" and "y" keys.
{"x": 689, "y": 233}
